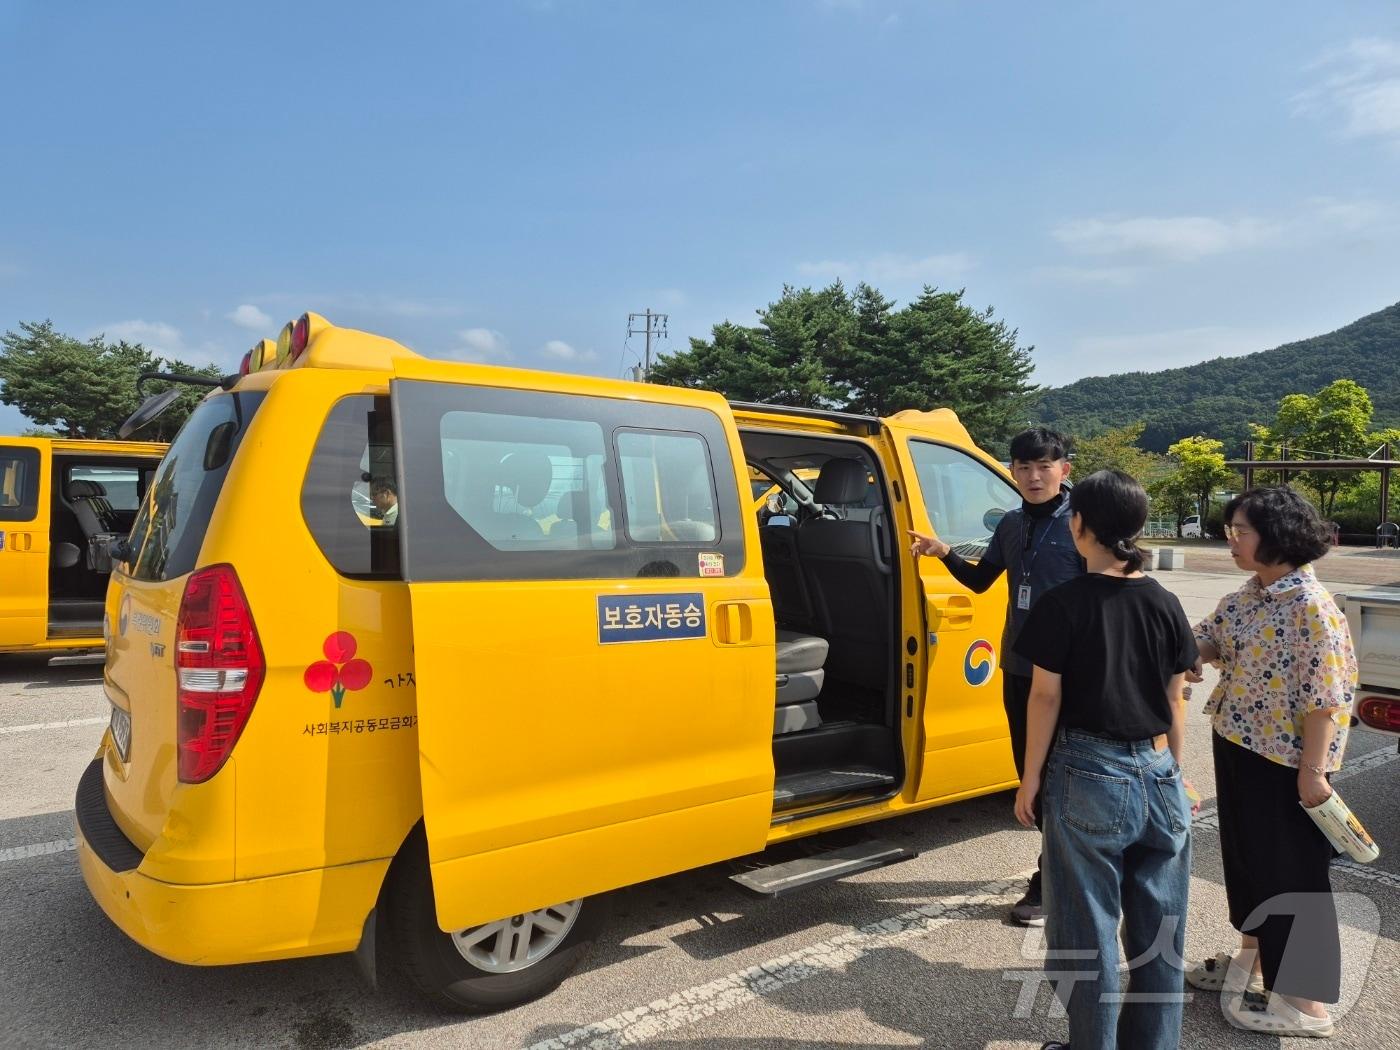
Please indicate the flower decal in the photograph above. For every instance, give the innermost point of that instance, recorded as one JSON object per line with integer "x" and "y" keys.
{"x": 340, "y": 671}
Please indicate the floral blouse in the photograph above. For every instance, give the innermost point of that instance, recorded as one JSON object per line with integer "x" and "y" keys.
{"x": 1285, "y": 651}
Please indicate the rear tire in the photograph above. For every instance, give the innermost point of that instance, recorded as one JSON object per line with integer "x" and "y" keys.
{"x": 497, "y": 966}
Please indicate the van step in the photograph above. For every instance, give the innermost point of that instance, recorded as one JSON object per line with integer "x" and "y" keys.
{"x": 89, "y": 656}
{"x": 774, "y": 880}
{"x": 796, "y": 789}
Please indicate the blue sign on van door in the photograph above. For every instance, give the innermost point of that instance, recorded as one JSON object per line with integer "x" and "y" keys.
{"x": 650, "y": 617}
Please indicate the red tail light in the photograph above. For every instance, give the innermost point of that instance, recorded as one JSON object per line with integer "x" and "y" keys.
{"x": 301, "y": 335}
{"x": 219, "y": 665}
{"x": 1380, "y": 712}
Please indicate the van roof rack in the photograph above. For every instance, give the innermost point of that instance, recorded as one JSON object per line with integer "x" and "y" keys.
{"x": 871, "y": 424}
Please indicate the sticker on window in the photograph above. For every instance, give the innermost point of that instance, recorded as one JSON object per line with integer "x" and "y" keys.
{"x": 711, "y": 563}
{"x": 650, "y": 617}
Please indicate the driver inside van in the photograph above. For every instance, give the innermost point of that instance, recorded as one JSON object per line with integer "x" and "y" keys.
{"x": 385, "y": 496}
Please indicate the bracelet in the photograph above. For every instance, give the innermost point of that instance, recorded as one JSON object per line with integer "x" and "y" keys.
{"x": 1316, "y": 769}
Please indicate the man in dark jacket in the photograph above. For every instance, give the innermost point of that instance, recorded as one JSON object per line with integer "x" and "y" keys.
{"x": 1033, "y": 546}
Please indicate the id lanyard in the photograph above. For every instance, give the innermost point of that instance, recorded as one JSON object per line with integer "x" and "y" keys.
{"x": 1023, "y": 592}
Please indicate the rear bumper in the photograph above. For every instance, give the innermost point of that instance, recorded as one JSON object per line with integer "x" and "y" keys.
{"x": 289, "y": 916}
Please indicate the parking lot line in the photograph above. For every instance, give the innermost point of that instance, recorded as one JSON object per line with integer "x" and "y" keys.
{"x": 38, "y": 849}
{"x": 36, "y": 726}
{"x": 744, "y": 986}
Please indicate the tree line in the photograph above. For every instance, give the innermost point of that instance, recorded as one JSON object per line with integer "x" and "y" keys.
{"x": 826, "y": 348}
{"x": 86, "y": 388}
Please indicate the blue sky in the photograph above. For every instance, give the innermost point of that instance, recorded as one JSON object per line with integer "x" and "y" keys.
{"x": 1132, "y": 186}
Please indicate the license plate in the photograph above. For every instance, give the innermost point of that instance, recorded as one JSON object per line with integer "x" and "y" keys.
{"x": 121, "y": 731}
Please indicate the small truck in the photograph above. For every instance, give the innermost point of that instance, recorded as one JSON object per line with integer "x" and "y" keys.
{"x": 1374, "y": 618}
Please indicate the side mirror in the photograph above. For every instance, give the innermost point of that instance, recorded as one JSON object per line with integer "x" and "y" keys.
{"x": 66, "y": 555}
{"x": 150, "y": 408}
{"x": 992, "y": 518}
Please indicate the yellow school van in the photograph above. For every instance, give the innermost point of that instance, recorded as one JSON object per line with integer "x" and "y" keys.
{"x": 436, "y": 657}
{"x": 62, "y": 504}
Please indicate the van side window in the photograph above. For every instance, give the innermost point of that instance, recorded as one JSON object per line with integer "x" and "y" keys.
{"x": 504, "y": 484}
{"x": 524, "y": 483}
{"x": 964, "y": 498}
{"x": 350, "y": 496}
{"x": 666, "y": 487}
{"x": 19, "y": 484}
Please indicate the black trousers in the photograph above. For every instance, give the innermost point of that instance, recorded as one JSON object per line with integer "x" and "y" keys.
{"x": 1016, "y": 698}
{"x": 1277, "y": 880}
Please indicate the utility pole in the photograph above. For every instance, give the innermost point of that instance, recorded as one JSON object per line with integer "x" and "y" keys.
{"x": 652, "y": 325}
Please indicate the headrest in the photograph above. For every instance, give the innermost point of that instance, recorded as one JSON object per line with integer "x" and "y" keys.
{"x": 528, "y": 473}
{"x": 564, "y": 509}
{"x": 78, "y": 489}
{"x": 842, "y": 481}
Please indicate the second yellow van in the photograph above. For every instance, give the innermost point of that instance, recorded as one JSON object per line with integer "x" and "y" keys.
{"x": 63, "y": 502}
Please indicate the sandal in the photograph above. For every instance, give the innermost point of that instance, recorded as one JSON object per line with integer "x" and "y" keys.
{"x": 1279, "y": 1018}
{"x": 1223, "y": 974}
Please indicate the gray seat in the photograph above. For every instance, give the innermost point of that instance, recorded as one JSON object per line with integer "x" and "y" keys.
{"x": 800, "y": 676}
{"x": 518, "y": 482}
{"x": 782, "y": 567}
{"x": 96, "y": 519}
{"x": 566, "y": 528}
{"x": 847, "y": 580}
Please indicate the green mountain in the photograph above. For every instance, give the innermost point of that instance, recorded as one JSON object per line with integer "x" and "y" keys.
{"x": 1219, "y": 397}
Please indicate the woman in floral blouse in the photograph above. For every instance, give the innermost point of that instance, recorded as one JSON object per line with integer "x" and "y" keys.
{"x": 1279, "y": 714}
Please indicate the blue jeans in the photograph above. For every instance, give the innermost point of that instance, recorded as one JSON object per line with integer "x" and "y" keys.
{"x": 1117, "y": 843}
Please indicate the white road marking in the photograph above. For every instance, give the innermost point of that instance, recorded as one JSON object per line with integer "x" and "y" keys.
{"x": 745, "y": 986}
{"x": 38, "y": 849}
{"x": 36, "y": 726}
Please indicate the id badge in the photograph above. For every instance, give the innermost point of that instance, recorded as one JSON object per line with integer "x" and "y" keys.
{"x": 1023, "y": 596}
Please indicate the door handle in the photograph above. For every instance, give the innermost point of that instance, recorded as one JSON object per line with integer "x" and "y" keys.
{"x": 733, "y": 623}
{"x": 949, "y": 612}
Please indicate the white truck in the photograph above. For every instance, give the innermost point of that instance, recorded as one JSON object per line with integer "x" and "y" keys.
{"x": 1374, "y": 618}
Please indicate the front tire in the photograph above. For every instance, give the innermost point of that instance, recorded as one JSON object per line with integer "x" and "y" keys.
{"x": 490, "y": 967}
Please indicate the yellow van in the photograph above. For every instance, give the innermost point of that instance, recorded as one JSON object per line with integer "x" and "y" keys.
{"x": 437, "y": 655}
{"x": 62, "y": 503}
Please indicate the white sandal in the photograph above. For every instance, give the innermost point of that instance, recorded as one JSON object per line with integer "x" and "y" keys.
{"x": 1279, "y": 1018}
{"x": 1223, "y": 974}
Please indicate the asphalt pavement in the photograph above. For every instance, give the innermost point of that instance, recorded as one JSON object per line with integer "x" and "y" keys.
{"x": 919, "y": 954}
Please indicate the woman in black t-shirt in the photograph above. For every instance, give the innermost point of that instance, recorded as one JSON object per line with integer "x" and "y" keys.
{"x": 1110, "y": 651}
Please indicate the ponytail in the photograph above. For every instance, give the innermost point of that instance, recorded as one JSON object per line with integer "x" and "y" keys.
{"x": 1128, "y": 551}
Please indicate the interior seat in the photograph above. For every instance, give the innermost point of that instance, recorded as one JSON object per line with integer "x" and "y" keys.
{"x": 88, "y": 501}
{"x": 800, "y": 675}
{"x": 782, "y": 567}
{"x": 847, "y": 577}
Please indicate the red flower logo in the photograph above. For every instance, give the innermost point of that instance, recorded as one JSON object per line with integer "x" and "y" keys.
{"x": 339, "y": 671}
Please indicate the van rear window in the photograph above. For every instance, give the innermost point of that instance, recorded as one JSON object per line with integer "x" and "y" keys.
{"x": 174, "y": 517}
{"x": 350, "y": 498}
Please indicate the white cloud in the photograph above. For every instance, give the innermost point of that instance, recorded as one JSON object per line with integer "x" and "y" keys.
{"x": 250, "y": 317}
{"x": 562, "y": 351}
{"x": 162, "y": 339}
{"x": 1183, "y": 238}
{"x": 891, "y": 268}
{"x": 1358, "y": 89}
{"x": 482, "y": 344}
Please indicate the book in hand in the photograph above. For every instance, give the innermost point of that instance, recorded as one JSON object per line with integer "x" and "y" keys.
{"x": 1342, "y": 829}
